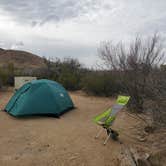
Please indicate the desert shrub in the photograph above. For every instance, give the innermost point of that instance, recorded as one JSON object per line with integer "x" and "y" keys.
{"x": 3, "y": 76}
{"x": 67, "y": 72}
{"x": 135, "y": 64}
{"x": 101, "y": 83}
{"x": 94, "y": 83}
{"x": 139, "y": 68}
{"x": 70, "y": 74}
{"x": 0, "y": 83}
{"x": 10, "y": 80}
{"x": 7, "y": 75}
{"x": 69, "y": 81}
{"x": 157, "y": 91}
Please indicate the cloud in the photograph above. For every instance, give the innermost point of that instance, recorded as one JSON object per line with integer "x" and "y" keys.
{"x": 17, "y": 45}
{"x": 42, "y": 11}
{"x": 76, "y": 27}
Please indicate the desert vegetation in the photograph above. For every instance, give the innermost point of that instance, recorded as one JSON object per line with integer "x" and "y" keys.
{"x": 136, "y": 69}
{"x": 140, "y": 73}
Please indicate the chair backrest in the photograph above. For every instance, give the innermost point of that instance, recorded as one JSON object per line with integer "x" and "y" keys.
{"x": 107, "y": 117}
{"x": 120, "y": 103}
{"x": 115, "y": 109}
{"x": 122, "y": 100}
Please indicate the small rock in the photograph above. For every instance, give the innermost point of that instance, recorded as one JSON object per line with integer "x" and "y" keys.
{"x": 141, "y": 139}
{"x": 47, "y": 145}
{"x": 73, "y": 158}
{"x": 16, "y": 158}
{"x": 39, "y": 149}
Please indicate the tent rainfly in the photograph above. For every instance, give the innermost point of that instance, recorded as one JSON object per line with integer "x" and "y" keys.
{"x": 40, "y": 97}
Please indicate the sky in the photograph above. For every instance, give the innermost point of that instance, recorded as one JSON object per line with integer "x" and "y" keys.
{"x": 75, "y": 28}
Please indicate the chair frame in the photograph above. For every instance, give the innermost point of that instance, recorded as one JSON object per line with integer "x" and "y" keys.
{"x": 106, "y": 119}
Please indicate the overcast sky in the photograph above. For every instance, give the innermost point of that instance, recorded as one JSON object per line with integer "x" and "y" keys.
{"x": 75, "y": 28}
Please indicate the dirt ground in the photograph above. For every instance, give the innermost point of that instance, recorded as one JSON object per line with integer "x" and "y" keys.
{"x": 69, "y": 141}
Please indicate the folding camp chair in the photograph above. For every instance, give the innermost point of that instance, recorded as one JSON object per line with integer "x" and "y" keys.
{"x": 107, "y": 118}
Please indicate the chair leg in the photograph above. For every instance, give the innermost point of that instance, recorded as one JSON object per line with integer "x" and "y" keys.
{"x": 107, "y": 138}
{"x": 99, "y": 133}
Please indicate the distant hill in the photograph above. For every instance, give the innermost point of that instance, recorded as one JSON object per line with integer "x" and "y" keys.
{"x": 20, "y": 59}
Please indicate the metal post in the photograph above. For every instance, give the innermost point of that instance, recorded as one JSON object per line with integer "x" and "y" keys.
{"x": 99, "y": 133}
{"x": 107, "y": 138}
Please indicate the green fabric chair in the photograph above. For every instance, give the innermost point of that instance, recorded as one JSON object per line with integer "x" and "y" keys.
{"x": 107, "y": 118}
{"x": 40, "y": 97}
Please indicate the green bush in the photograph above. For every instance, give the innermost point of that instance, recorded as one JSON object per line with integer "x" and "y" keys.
{"x": 66, "y": 71}
{"x": 6, "y": 78}
{"x": 101, "y": 83}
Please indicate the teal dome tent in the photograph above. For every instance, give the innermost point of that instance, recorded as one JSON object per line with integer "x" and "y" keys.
{"x": 40, "y": 97}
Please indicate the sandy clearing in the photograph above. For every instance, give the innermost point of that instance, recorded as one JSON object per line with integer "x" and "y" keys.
{"x": 68, "y": 141}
